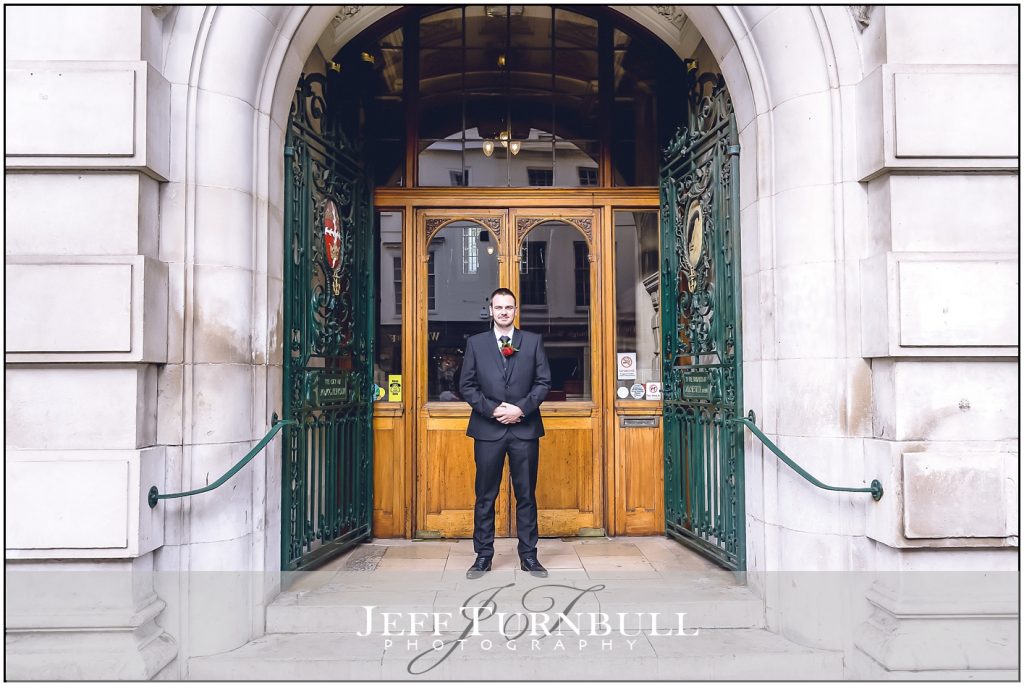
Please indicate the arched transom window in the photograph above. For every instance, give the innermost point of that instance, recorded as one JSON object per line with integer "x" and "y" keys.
{"x": 513, "y": 95}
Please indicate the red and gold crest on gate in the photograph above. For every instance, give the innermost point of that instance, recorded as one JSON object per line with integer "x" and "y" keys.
{"x": 332, "y": 243}
{"x": 332, "y": 234}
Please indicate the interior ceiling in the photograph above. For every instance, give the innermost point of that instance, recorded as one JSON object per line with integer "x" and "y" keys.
{"x": 671, "y": 19}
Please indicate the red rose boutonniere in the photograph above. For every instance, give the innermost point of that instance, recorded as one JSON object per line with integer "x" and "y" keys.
{"x": 508, "y": 350}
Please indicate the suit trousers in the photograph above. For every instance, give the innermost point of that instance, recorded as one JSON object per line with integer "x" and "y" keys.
{"x": 522, "y": 465}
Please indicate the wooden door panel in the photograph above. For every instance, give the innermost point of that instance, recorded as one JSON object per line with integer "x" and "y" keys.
{"x": 568, "y": 491}
{"x": 640, "y": 496}
{"x": 388, "y": 467}
{"x": 449, "y": 475}
{"x": 564, "y": 474}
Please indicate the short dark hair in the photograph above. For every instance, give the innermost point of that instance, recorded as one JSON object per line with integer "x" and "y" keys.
{"x": 503, "y": 291}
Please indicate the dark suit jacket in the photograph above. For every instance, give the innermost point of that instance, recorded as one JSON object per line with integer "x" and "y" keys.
{"x": 484, "y": 384}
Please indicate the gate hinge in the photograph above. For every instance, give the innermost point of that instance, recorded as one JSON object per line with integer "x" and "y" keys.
{"x": 289, "y": 150}
{"x": 732, "y": 149}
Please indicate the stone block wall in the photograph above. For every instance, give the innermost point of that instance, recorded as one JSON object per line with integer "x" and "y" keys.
{"x": 937, "y": 118}
{"x": 87, "y": 314}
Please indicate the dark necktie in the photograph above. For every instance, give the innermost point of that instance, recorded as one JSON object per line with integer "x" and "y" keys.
{"x": 504, "y": 360}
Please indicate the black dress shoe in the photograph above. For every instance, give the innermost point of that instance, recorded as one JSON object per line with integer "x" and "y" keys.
{"x": 531, "y": 565}
{"x": 482, "y": 565}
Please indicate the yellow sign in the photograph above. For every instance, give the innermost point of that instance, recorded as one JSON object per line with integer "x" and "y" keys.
{"x": 394, "y": 388}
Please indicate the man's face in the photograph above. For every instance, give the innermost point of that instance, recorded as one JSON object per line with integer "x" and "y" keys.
{"x": 503, "y": 309}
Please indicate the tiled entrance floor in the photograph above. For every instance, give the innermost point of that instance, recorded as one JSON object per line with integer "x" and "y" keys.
{"x": 444, "y": 563}
{"x": 319, "y": 627}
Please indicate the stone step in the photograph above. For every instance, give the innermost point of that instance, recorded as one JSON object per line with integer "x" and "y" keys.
{"x": 315, "y": 617}
{"x": 712, "y": 654}
{"x": 336, "y": 609}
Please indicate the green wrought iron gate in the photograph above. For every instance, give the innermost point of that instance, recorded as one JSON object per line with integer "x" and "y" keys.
{"x": 701, "y": 328}
{"x": 327, "y": 490}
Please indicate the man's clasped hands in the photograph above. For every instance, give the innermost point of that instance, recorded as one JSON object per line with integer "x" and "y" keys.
{"x": 507, "y": 413}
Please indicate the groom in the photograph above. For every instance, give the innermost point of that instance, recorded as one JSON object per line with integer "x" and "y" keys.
{"x": 505, "y": 376}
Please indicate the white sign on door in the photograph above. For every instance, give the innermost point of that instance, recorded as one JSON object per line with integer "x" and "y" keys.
{"x": 627, "y": 365}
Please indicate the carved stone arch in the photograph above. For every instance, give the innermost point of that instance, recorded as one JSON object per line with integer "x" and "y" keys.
{"x": 250, "y": 111}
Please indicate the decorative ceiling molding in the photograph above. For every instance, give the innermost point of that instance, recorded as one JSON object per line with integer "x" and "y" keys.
{"x": 862, "y": 15}
{"x": 346, "y": 12}
{"x": 670, "y": 23}
{"x": 345, "y": 24}
{"x": 674, "y": 13}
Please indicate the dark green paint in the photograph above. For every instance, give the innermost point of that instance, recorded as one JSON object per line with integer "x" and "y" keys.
{"x": 701, "y": 385}
{"x": 875, "y": 489}
{"x": 327, "y": 479}
{"x": 700, "y": 296}
{"x": 154, "y": 492}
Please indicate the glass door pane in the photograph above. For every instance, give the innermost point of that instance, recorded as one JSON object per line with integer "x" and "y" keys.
{"x": 554, "y": 294}
{"x": 462, "y": 272}
{"x": 637, "y": 299}
{"x": 391, "y": 258}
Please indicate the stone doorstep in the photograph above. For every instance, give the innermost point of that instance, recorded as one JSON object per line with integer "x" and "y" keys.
{"x": 350, "y": 620}
{"x": 712, "y": 654}
{"x": 506, "y": 561}
{"x": 607, "y": 549}
{"x": 344, "y": 612}
{"x": 689, "y": 587}
{"x": 623, "y": 574}
{"x": 681, "y": 584}
{"x": 336, "y": 619}
{"x": 428, "y": 551}
{"x": 412, "y": 564}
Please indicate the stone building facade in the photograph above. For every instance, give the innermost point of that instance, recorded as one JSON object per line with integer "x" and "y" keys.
{"x": 144, "y": 186}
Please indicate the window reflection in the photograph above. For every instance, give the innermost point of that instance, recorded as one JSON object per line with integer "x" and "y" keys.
{"x": 380, "y": 84}
{"x": 466, "y": 159}
{"x": 637, "y": 296}
{"x": 555, "y": 302}
{"x": 388, "y": 353}
{"x": 463, "y": 272}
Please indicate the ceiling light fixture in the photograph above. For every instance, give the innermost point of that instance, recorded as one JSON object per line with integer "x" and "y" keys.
{"x": 505, "y": 138}
{"x": 494, "y": 11}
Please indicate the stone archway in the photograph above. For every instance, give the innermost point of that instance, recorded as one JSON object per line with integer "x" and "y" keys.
{"x": 233, "y": 70}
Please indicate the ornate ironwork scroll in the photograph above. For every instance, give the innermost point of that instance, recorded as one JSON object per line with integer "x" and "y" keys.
{"x": 700, "y": 290}
{"x": 327, "y": 492}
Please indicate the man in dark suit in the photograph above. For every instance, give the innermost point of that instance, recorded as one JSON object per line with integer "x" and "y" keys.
{"x": 505, "y": 377}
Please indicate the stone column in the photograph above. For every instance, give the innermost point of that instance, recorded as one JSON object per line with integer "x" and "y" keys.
{"x": 937, "y": 119}
{"x": 86, "y": 303}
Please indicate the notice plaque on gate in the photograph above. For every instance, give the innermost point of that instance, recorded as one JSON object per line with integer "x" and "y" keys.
{"x": 325, "y": 389}
{"x": 700, "y": 385}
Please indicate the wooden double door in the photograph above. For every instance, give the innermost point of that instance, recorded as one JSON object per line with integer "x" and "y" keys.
{"x": 548, "y": 258}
